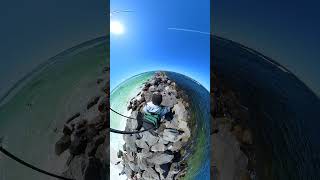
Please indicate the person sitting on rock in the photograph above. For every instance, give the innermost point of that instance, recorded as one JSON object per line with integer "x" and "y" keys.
{"x": 153, "y": 112}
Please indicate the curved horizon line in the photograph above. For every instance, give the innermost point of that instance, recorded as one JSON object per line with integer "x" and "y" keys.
{"x": 47, "y": 63}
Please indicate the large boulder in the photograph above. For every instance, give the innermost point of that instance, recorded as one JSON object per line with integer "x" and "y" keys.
{"x": 149, "y": 138}
{"x": 160, "y": 158}
{"x": 171, "y": 135}
{"x": 150, "y": 174}
{"x": 158, "y": 147}
{"x": 142, "y": 144}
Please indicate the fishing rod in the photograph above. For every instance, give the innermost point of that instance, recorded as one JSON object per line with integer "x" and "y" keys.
{"x": 128, "y": 132}
{"x": 15, "y": 158}
{"x": 24, "y": 163}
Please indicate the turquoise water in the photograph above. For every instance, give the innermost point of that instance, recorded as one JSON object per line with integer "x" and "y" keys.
{"x": 42, "y": 103}
{"x": 198, "y": 161}
{"x": 119, "y": 100}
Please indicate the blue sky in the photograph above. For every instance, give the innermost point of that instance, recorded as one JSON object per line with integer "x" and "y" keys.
{"x": 147, "y": 43}
{"x": 286, "y": 31}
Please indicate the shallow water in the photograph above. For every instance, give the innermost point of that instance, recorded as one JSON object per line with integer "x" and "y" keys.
{"x": 42, "y": 103}
{"x": 119, "y": 99}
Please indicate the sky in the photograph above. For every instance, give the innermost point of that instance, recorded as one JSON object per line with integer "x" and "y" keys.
{"x": 286, "y": 31}
{"x": 149, "y": 40}
{"x": 33, "y": 31}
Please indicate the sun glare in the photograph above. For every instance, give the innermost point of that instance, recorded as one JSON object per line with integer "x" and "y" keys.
{"x": 116, "y": 27}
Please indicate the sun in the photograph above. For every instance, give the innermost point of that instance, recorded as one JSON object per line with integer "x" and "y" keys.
{"x": 116, "y": 27}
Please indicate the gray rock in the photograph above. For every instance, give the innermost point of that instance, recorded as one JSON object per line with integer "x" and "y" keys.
{"x": 169, "y": 100}
{"x": 149, "y": 138}
{"x": 160, "y": 87}
{"x": 94, "y": 170}
{"x": 160, "y": 158}
{"x": 130, "y": 143}
{"x": 76, "y": 168}
{"x": 175, "y": 146}
{"x": 158, "y": 147}
{"x": 93, "y": 101}
{"x": 134, "y": 167}
{"x": 152, "y": 88}
{"x": 78, "y": 145}
{"x": 160, "y": 171}
{"x": 144, "y": 154}
{"x": 142, "y": 164}
{"x": 171, "y": 135}
{"x": 174, "y": 169}
{"x": 162, "y": 141}
{"x": 67, "y": 129}
{"x": 102, "y": 153}
{"x": 62, "y": 144}
{"x": 128, "y": 171}
{"x": 150, "y": 174}
{"x": 142, "y": 144}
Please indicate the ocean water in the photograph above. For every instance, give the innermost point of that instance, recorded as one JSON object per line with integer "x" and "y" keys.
{"x": 283, "y": 111}
{"x": 42, "y": 102}
{"x": 198, "y": 150}
{"x": 119, "y": 99}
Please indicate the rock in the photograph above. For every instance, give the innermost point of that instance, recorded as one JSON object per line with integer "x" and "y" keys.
{"x": 73, "y": 117}
{"x": 81, "y": 123}
{"x": 134, "y": 167}
{"x": 175, "y": 146}
{"x": 150, "y": 174}
{"x": 99, "y": 80}
{"x": 78, "y": 146}
{"x": 67, "y": 129}
{"x": 158, "y": 147}
{"x": 142, "y": 144}
{"x": 76, "y": 168}
{"x": 144, "y": 154}
{"x": 94, "y": 170}
{"x": 102, "y": 153}
{"x": 163, "y": 170}
{"x": 93, "y": 145}
{"x": 180, "y": 111}
{"x": 160, "y": 87}
{"x": 128, "y": 171}
{"x": 174, "y": 169}
{"x": 130, "y": 143}
{"x": 149, "y": 138}
{"x": 171, "y": 135}
{"x": 92, "y": 132}
{"x": 153, "y": 82}
{"x": 162, "y": 141}
{"x": 93, "y": 101}
{"x": 229, "y": 158}
{"x": 62, "y": 144}
{"x": 120, "y": 154}
{"x": 169, "y": 100}
{"x": 152, "y": 89}
{"x": 102, "y": 107}
{"x": 160, "y": 158}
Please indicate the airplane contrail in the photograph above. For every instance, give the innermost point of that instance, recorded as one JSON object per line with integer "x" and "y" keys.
{"x": 189, "y": 30}
{"x": 120, "y": 11}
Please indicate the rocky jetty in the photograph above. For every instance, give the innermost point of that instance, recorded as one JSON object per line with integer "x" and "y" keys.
{"x": 158, "y": 155}
{"x": 85, "y": 137}
{"x": 232, "y": 142}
